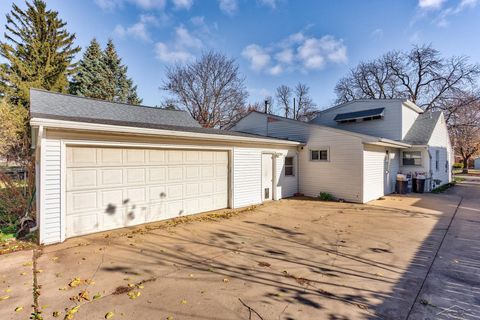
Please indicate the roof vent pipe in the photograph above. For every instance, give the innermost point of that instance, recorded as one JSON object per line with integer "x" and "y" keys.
{"x": 266, "y": 106}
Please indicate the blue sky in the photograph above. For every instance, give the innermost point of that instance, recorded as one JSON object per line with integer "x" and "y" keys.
{"x": 274, "y": 41}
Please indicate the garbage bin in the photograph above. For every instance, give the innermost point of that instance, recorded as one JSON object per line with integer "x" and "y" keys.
{"x": 414, "y": 184}
{"x": 420, "y": 184}
{"x": 402, "y": 184}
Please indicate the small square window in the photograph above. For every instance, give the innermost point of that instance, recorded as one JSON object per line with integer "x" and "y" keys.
{"x": 412, "y": 158}
{"x": 319, "y": 155}
{"x": 289, "y": 169}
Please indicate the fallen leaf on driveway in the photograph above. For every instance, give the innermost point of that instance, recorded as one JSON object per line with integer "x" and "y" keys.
{"x": 183, "y": 302}
{"x": 97, "y": 296}
{"x": 226, "y": 280}
{"x": 71, "y": 312}
{"x": 75, "y": 282}
{"x": 134, "y": 294}
{"x": 56, "y": 314}
{"x": 4, "y": 298}
{"x": 26, "y": 264}
{"x": 109, "y": 315}
{"x": 18, "y": 309}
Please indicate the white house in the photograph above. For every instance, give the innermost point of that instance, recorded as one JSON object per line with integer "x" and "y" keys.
{"x": 355, "y": 150}
{"x": 103, "y": 165}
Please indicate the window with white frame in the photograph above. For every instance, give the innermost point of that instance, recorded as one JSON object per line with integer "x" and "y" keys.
{"x": 289, "y": 166}
{"x": 412, "y": 158}
{"x": 321, "y": 154}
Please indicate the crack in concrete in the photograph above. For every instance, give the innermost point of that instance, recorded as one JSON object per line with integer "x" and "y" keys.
{"x": 35, "y": 286}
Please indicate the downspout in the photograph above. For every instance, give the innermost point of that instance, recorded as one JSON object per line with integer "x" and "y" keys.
{"x": 430, "y": 169}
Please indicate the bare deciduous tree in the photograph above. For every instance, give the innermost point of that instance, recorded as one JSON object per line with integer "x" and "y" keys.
{"x": 210, "y": 88}
{"x": 284, "y": 98}
{"x": 465, "y": 128}
{"x": 421, "y": 75}
{"x": 305, "y": 108}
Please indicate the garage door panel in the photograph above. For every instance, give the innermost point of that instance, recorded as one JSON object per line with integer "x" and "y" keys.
{"x": 81, "y": 224}
{"x": 157, "y": 193}
{"x": 135, "y": 196}
{"x": 81, "y": 201}
{"x": 206, "y": 187}
{"x": 156, "y": 156}
{"x": 174, "y": 192}
{"x": 135, "y": 157}
{"x": 111, "y": 156}
{"x": 157, "y": 174}
{"x": 174, "y": 209}
{"x": 157, "y": 212}
{"x": 110, "y": 188}
{"x": 175, "y": 156}
{"x": 135, "y": 176}
{"x": 82, "y": 178}
{"x": 175, "y": 173}
{"x": 82, "y": 156}
{"x": 111, "y": 177}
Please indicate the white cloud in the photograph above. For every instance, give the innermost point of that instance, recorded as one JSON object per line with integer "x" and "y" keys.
{"x": 138, "y": 30}
{"x": 268, "y": 3}
{"x": 228, "y": 6}
{"x": 430, "y": 4}
{"x": 442, "y": 19}
{"x": 297, "y": 52}
{"x": 257, "y": 56}
{"x": 183, "y": 4}
{"x": 377, "y": 34}
{"x": 144, "y": 4}
{"x": 181, "y": 49}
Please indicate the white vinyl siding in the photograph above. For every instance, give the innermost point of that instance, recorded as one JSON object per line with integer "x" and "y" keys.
{"x": 50, "y": 215}
{"x": 440, "y": 142}
{"x": 247, "y": 175}
{"x": 408, "y": 118}
{"x": 342, "y": 175}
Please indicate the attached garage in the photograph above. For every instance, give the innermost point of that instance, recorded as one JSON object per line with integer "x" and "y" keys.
{"x": 134, "y": 186}
{"x": 102, "y": 166}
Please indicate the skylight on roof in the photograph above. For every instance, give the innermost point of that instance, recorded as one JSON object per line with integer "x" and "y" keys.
{"x": 364, "y": 115}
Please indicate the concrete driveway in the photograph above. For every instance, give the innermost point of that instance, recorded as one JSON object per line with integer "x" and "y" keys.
{"x": 291, "y": 259}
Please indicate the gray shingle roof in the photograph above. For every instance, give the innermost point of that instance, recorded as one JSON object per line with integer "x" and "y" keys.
{"x": 422, "y": 128}
{"x": 55, "y": 105}
{"x": 48, "y": 105}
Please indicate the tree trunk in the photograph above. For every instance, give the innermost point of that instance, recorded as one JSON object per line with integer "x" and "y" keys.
{"x": 465, "y": 165}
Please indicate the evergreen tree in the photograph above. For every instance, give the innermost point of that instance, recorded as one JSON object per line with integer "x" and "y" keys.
{"x": 102, "y": 75}
{"x": 39, "y": 52}
{"x": 93, "y": 77}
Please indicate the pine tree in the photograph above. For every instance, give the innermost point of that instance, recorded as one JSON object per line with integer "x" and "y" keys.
{"x": 93, "y": 77}
{"x": 39, "y": 52}
{"x": 125, "y": 91}
{"x": 102, "y": 75}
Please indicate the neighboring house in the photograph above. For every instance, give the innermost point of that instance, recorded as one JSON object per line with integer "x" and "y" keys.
{"x": 103, "y": 165}
{"x": 355, "y": 150}
{"x": 477, "y": 163}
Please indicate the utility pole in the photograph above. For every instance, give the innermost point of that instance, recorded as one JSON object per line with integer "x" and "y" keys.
{"x": 294, "y": 116}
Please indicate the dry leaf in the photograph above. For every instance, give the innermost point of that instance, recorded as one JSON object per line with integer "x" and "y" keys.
{"x": 109, "y": 315}
{"x": 97, "y": 296}
{"x": 183, "y": 302}
{"x": 75, "y": 282}
{"x": 56, "y": 314}
{"x": 226, "y": 280}
{"x": 71, "y": 312}
{"x": 134, "y": 294}
{"x": 4, "y": 298}
{"x": 18, "y": 309}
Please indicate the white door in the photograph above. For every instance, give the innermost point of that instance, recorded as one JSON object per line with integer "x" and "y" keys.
{"x": 108, "y": 188}
{"x": 267, "y": 176}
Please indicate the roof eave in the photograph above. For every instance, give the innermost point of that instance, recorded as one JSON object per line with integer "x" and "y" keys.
{"x": 95, "y": 127}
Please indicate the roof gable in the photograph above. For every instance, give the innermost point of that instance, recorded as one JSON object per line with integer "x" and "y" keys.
{"x": 422, "y": 129}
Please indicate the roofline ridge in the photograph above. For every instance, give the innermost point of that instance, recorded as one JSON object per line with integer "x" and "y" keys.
{"x": 101, "y": 100}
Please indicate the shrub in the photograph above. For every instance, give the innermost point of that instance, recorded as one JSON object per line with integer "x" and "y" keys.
{"x": 458, "y": 165}
{"x": 325, "y": 196}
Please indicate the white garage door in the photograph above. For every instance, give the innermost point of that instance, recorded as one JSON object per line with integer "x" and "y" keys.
{"x": 108, "y": 188}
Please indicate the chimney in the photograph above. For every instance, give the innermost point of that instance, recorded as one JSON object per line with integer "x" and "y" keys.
{"x": 266, "y": 106}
